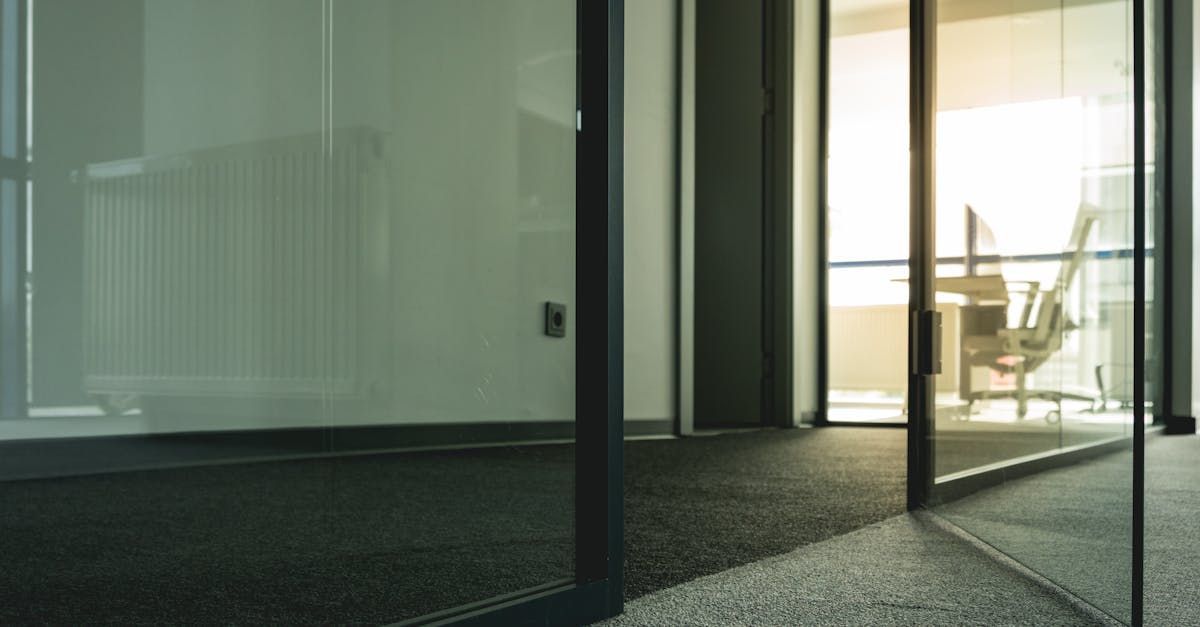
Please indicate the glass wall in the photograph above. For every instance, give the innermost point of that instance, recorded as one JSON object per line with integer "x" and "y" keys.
{"x": 868, "y": 217}
{"x": 867, "y": 212}
{"x": 1035, "y": 147}
{"x": 286, "y": 266}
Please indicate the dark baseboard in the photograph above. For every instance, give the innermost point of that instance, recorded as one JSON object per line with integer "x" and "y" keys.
{"x": 643, "y": 428}
{"x": 879, "y": 424}
{"x": 1179, "y": 425}
{"x": 57, "y": 457}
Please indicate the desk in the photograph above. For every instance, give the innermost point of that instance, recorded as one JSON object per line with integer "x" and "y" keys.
{"x": 980, "y": 288}
{"x": 987, "y": 287}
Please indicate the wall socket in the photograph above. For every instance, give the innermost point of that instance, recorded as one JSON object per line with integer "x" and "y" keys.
{"x": 556, "y": 320}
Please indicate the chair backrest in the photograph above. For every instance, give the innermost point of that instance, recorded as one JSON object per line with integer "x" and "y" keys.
{"x": 1050, "y": 310}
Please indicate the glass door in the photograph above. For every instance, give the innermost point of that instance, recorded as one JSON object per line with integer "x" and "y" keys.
{"x": 1028, "y": 431}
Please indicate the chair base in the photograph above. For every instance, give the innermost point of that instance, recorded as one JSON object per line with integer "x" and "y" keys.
{"x": 1055, "y": 396}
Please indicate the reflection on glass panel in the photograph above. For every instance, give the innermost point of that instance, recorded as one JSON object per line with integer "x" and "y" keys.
{"x": 1151, "y": 342}
{"x": 1041, "y": 153}
{"x": 868, "y": 205}
{"x": 467, "y": 201}
{"x": 288, "y": 271}
{"x": 11, "y": 76}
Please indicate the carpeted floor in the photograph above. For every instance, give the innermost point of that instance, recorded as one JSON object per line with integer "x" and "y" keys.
{"x": 902, "y": 571}
{"x": 1070, "y": 525}
{"x": 382, "y": 537}
{"x": 1172, "y": 513}
{"x": 377, "y": 538}
{"x": 705, "y": 504}
{"x": 362, "y": 539}
{"x": 1073, "y": 525}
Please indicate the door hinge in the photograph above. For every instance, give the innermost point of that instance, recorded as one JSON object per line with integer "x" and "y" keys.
{"x": 768, "y": 365}
{"x": 768, "y": 105}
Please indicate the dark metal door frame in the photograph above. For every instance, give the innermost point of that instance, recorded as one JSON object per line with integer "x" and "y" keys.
{"x": 1139, "y": 304}
{"x": 822, "y": 409}
{"x": 922, "y": 109}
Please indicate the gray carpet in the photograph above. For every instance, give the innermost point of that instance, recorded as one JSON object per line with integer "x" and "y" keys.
{"x": 1172, "y": 581}
{"x": 353, "y": 540}
{"x": 382, "y": 537}
{"x": 1073, "y": 525}
{"x": 903, "y": 571}
{"x": 702, "y": 505}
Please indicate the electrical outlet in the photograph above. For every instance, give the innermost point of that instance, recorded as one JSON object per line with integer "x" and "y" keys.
{"x": 556, "y": 320}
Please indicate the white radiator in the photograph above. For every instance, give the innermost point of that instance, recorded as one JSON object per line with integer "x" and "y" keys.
{"x": 232, "y": 271}
{"x": 868, "y": 348}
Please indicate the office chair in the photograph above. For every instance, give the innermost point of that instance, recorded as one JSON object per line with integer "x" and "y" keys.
{"x": 1021, "y": 350}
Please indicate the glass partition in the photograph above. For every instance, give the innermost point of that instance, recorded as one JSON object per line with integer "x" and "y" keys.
{"x": 294, "y": 295}
{"x": 1035, "y": 146}
{"x": 868, "y": 186}
{"x": 867, "y": 191}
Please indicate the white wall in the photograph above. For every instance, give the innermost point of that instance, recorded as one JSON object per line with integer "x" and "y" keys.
{"x": 650, "y": 303}
{"x": 221, "y": 72}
